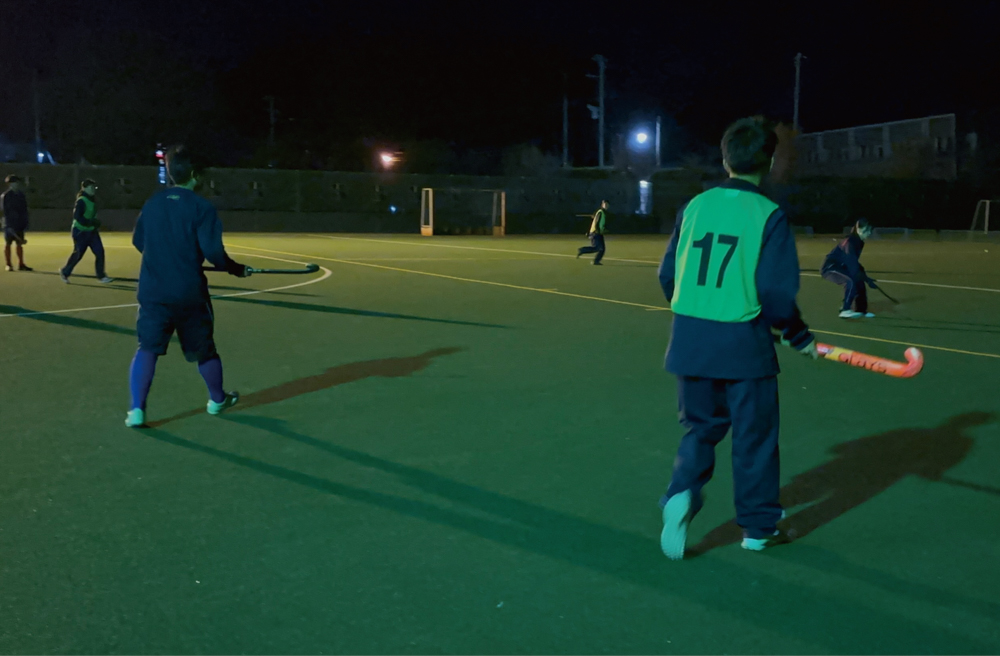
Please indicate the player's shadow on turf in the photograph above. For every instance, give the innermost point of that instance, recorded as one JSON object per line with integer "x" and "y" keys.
{"x": 861, "y": 470}
{"x": 339, "y": 375}
{"x": 311, "y": 307}
{"x": 65, "y": 320}
{"x": 609, "y": 551}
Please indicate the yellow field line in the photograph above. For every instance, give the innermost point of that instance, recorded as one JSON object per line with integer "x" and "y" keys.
{"x": 598, "y": 298}
{"x": 405, "y": 242}
{"x": 923, "y": 346}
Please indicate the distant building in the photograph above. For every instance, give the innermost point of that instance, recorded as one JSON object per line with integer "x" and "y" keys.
{"x": 922, "y": 148}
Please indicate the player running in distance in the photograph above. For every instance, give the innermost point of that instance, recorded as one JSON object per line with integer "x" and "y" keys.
{"x": 596, "y": 234}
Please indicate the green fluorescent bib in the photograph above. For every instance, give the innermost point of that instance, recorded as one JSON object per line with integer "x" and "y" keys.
{"x": 89, "y": 212}
{"x": 717, "y": 254}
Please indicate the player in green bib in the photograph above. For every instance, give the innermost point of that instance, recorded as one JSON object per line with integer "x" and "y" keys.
{"x": 596, "y": 234}
{"x": 86, "y": 233}
{"x": 731, "y": 273}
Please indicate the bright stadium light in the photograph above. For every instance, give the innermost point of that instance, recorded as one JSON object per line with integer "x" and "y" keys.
{"x": 640, "y": 139}
{"x": 388, "y": 159}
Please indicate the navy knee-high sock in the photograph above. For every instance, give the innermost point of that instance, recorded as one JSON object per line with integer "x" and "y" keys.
{"x": 141, "y": 377}
{"x": 211, "y": 371}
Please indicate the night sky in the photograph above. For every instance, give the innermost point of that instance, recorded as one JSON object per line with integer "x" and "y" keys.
{"x": 118, "y": 74}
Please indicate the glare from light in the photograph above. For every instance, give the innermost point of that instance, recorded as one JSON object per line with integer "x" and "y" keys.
{"x": 643, "y": 184}
{"x": 642, "y": 137}
{"x": 392, "y": 209}
{"x": 41, "y": 157}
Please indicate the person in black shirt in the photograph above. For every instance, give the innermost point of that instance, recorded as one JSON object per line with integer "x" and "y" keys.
{"x": 15, "y": 221}
{"x": 176, "y": 232}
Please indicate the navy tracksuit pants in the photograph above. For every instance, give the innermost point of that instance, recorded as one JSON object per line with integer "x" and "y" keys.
{"x": 709, "y": 407}
{"x": 596, "y": 246}
{"x": 854, "y": 289}
{"x": 82, "y": 240}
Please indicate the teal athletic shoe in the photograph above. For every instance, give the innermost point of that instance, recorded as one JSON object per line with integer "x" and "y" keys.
{"x": 136, "y": 418}
{"x": 676, "y": 517}
{"x": 217, "y": 408}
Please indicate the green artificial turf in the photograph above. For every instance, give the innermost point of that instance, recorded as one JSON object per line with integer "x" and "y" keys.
{"x": 456, "y": 445}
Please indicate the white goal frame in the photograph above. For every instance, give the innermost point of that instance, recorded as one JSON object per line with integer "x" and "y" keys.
{"x": 499, "y": 213}
{"x": 985, "y": 204}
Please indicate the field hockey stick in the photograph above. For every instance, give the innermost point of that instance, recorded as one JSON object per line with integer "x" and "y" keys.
{"x": 884, "y": 293}
{"x": 310, "y": 268}
{"x": 914, "y": 360}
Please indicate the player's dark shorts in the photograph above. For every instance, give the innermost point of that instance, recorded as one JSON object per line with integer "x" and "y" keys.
{"x": 11, "y": 236}
{"x": 195, "y": 326}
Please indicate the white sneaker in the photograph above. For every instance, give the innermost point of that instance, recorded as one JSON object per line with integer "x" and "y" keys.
{"x": 217, "y": 408}
{"x": 136, "y": 418}
{"x": 850, "y": 314}
{"x": 869, "y": 315}
{"x": 105, "y": 280}
{"x": 779, "y": 537}
{"x": 676, "y": 517}
{"x": 63, "y": 277}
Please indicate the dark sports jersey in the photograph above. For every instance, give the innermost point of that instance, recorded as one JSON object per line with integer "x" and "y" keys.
{"x": 15, "y": 210}
{"x": 176, "y": 232}
{"x": 846, "y": 256}
{"x": 740, "y": 349}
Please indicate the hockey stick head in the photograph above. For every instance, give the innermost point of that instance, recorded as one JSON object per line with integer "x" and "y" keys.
{"x": 914, "y": 363}
{"x": 312, "y": 268}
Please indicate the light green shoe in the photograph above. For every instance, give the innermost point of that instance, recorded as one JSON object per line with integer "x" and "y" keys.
{"x": 217, "y": 408}
{"x": 136, "y": 418}
{"x": 781, "y": 536}
{"x": 676, "y": 517}
{"x": 754, "y": 544}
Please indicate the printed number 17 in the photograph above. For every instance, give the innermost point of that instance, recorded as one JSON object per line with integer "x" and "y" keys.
{"x": 705, "y": 244}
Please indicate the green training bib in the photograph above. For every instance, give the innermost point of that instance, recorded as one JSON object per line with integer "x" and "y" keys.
{"x": 717, "y": 253}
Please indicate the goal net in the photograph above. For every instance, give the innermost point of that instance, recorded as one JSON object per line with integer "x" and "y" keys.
{"x": 981, "y": 219}
{"x": 454, "y": 211}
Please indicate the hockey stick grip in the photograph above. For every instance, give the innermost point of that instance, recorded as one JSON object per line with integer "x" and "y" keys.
{"x": 914, "y": 360}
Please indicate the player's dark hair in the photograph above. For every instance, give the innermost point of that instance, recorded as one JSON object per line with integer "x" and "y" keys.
{"x": 88, "y": 183}
{"x": 748, "y": 146}
{"x": 11, "y": 179}
{"x": 860, "y": 225}
{"x": 181, "y": 164}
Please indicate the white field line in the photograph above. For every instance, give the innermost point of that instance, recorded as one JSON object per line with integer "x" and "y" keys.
{"x": 326, "y": 274}
{"x": 618, "y": 259}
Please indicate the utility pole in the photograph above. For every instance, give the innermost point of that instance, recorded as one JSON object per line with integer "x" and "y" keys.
{"x": 798, "y": 73}
{"x": 658, "y": 121}
{"x": 38, "y": 121}
{"x": 273, "y": 117}
{"x": 601, "y": 63}
{"x": 565, "y": 117}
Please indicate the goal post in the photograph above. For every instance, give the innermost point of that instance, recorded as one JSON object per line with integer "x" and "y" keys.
{"x": 982, "y": 215}
{"x": 463, "y": 211}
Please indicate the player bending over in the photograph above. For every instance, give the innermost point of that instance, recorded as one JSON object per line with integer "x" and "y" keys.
{"x": 731, "y": 273}
{"x": 176, "y": 232}
{"x": 843, "y": 266}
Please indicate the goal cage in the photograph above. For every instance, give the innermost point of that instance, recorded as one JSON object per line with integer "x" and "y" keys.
{"x": 457, "y": 211}
{"x": 981, "y": 218}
